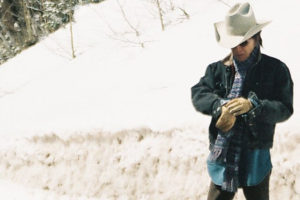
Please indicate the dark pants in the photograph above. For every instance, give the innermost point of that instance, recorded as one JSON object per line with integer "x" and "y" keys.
{"x": 257, "y": 192}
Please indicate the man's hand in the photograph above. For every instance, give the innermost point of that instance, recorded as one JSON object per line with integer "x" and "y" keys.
{"x": 226, "y": 120}
{"x": 239, "y": 106}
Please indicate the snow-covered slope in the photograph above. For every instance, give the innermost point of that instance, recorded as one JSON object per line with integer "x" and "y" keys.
{"x": 106, "y": 86}
{"x": 118, "y": 112}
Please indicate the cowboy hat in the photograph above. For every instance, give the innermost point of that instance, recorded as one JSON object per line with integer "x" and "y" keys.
{"x": 239, "y": 25}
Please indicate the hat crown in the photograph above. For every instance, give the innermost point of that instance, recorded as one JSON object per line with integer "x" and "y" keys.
{"x": 240, "y": 19}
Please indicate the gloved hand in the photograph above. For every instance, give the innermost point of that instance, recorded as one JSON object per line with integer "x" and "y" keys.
{"x": 239, "y": 106}
{"x": 226, "y": 120}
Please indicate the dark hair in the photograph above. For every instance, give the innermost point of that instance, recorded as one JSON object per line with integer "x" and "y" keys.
{"x": 258, "y": 38}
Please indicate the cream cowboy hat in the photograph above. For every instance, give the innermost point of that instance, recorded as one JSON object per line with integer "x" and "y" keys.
{"x": 239, "y": 25}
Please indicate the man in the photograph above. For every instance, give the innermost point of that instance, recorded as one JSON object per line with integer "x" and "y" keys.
{"x": 246, "y": 94}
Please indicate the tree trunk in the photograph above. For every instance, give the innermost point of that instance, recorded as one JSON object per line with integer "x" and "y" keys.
{"x": 71, "y": 32}
{"x": 30, "y": 37}
{"x": 160, "y": 15}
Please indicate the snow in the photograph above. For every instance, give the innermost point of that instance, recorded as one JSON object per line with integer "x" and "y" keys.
{"x": 117, "y": 121}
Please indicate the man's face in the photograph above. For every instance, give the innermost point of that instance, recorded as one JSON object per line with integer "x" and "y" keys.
{"x": 243, "y": 50}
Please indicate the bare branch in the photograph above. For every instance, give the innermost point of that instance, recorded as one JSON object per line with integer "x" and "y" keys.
{"x": 33, "y": 8}
{"x": 185, "y": 13}
{"x": 7, "y": 10}
{"x": 126, "y": 19}
{"x": 136, "y": 31}
{"x": 124, "y": 40}
{"x": 71, "y": 34}
{"x": 171, "y": 4}
{"x": 160, "y": 12}
{"x": 225, "y": 3}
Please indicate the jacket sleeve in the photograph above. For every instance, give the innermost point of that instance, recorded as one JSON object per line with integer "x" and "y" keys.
{"x": 280, "y": 108}
{"x": 203, "y": 97}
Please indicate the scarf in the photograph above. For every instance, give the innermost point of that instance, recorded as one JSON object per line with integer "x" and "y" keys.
{"x": 228, "y": 146}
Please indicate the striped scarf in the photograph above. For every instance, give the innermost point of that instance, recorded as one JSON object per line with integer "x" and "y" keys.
{"x": 228, "y": 146}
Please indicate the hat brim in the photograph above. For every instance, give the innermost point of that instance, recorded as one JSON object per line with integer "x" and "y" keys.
{"x": 229, "y": 41}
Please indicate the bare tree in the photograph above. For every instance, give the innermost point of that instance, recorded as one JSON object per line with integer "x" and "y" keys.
{"x": 167, "y": 11}
{"x": 7, "y": 39}
{"x": 4, "y": 39}
{"x": 131, "y": 26}
{"x": 171, "y": 5}
{"x": 31, "y": 38}
{"x": 160, "y": 13}
{"x": 71, "y": 31}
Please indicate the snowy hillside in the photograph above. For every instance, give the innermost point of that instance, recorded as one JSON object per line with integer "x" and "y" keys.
{"x": 117, "y": 121}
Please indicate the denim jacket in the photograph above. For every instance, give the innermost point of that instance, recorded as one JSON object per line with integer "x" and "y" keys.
{"x": 268, "y": 85}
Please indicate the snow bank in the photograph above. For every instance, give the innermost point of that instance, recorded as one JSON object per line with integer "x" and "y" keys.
{"x": 133, "y": 164}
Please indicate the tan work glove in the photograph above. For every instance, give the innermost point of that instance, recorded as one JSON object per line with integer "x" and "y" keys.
{"x": 239, "y": 106}
{"x": 226, "y": 120}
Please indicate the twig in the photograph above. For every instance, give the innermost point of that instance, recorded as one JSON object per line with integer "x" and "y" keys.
{"x": 128, "y": 41}
{"x": 127, "y": 21}
{"x": 7, "y": 10}
{"x": 160, "y": 15}
{"x": 137, "y": 33}
{"x": 225, "y": 3}
{"x": 184, "y": 12}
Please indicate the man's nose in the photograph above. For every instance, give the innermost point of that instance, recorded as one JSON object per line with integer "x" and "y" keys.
{"x": 238, "y": 49}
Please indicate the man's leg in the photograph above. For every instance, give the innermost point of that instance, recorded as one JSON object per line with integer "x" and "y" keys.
{"x": 216, "y": 193}
{"x": 258, "y": 192}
